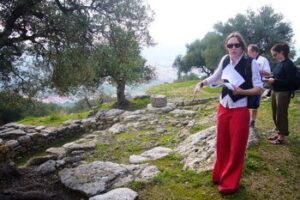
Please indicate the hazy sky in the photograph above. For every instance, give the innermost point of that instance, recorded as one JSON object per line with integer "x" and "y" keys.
{"x": 180, "y": 22}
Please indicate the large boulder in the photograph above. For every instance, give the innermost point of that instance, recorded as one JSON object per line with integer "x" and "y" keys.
{"x": 98, "y": 177}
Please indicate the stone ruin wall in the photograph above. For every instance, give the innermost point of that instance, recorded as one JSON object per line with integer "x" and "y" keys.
{"x": 17, "y": 139}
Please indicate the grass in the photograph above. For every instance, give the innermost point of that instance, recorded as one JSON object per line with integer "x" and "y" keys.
{"x": 128, "y": 143}
{"x": 183, "y": 90}
{"x": 52, "y": 120}
{"x": 22, "y": 160}
{"x": 58, "y": 119}
{"x": 134, "y": 104}
{"x": 173, "y": 183}
{"x": 273, "y": 171}
{"x": 270, "y": 171}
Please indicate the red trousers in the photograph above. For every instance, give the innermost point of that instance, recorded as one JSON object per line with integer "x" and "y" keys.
{"x": 231, "y": 143}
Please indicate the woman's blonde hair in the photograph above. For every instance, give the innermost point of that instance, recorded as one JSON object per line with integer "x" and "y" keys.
{"x": 239, "y": 37}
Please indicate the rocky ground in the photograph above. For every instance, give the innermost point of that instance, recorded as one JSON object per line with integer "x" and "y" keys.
{"x": 33, "y": 186}
{"x": 46, "y": 185}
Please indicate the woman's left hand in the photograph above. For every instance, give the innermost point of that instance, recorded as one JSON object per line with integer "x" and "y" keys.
{"x": 237, "y": 91}
{"x": 269, "y": 80}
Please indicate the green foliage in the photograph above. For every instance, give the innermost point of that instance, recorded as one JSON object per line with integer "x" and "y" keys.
{"x": 297, "y": 62}
{"x": 120, "y": 60}
{"x": 37, "y": 30}
{"x": 213, "y": 49}
{"x": 255, "y": 28}
{"x": 203, "y": 54}
{"x": 60, "y": 40}
{"x": 192, "y": 58}
{"x": 73, "y": 69}
{"x": 11, "y": 106}
{"x": 14, "y": 107}
{"x": 116, "y": 59}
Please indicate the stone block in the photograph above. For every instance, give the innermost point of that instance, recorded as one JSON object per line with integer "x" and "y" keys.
{"x": 158, "y": 101}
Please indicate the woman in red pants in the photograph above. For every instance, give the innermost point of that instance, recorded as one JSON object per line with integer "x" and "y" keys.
{"x": 241, "y": 79}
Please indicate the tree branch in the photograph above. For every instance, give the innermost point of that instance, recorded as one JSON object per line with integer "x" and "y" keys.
{"x": 19, "y": 11}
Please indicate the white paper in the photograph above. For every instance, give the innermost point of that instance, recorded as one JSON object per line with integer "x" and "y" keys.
{"x": 229, "y": 86}
{"x": 233, "y": 77}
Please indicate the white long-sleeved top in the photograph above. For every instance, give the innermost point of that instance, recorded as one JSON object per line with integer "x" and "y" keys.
{"x": 263, "y": 64}
{"x": 217, "y": 75}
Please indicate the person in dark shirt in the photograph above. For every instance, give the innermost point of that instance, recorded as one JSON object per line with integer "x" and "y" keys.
{"x": 281, "y": 83}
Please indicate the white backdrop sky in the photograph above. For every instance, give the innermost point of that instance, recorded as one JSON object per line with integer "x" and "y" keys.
{"x": 180, "y": 22}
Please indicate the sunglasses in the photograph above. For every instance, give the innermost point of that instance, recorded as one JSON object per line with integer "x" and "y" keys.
{"x": 236, "y": 45}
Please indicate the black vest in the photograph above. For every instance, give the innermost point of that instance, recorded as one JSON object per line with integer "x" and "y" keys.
{"x": 245, "y": 70}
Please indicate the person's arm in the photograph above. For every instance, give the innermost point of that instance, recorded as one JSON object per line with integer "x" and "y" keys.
{"x": 266, "y": 69}
{"x": 265, "y": 74}
{"x": 286, "y": 81}
{"x": 213, "y": 78}
{"x": 249, "y": 92}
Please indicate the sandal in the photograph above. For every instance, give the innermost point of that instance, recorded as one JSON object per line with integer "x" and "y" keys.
{"x": 273, "y": 131}
{"x": 277, "y": 141}
{"x": 274, "y": 137}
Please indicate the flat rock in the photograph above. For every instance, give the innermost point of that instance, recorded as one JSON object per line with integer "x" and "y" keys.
{"x": 117, "y": 194}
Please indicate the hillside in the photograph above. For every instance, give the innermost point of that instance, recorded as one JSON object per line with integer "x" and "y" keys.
{"x": 270, "y": 172}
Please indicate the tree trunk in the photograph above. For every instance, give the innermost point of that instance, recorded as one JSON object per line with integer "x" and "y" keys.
{"x": 121, "y": 100}
{"x": 87, "y": 102}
